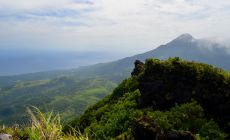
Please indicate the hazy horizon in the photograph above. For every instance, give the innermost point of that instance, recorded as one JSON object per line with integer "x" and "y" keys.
{"x": 15, "y": 62}
{"x": 92, "y": 31}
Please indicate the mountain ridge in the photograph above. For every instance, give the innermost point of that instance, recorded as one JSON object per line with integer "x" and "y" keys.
{"x": 184, "y": 46}
{"x": 184, "y": 41}
{"x": 95, "y": 81}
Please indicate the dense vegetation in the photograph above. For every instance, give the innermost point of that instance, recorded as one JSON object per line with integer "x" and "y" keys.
{"x": 163, "y": 100}
{"x": 43, "y": 126}
{"x": 70, "y": 92}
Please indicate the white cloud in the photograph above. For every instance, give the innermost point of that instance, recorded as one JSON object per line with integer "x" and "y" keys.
{"x": 35, "y": 4}
{"x": 29, "y": 4}
{"x": 129, "y": 25}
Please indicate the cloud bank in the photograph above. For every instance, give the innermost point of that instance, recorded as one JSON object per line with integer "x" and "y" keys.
{"x": 130, "y": 26}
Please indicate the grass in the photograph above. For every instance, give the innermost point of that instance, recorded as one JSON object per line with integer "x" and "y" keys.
{"x": 43, "y": 126}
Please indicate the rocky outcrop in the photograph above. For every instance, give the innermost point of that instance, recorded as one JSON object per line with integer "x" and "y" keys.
{"x": 5, "y": 137}
{"x": 139, "y": 67}
{"x": 179, "y": 135}
{"x": 146, "y": 129}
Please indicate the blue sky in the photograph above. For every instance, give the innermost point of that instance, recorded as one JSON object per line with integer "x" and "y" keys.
{"x": 121, "y": 26}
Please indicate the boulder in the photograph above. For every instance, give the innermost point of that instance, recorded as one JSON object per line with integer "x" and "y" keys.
{"x": 139, "y": 67}
{"x": 146, "y": 129}
{"x": 180, "y": 135}
{"x": 5, "y": 137}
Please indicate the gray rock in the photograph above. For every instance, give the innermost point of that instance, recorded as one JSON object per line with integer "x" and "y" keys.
{"x": 5, "y": 137}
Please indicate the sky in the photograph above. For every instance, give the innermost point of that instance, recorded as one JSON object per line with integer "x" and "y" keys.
{"x": 125, "y": 27}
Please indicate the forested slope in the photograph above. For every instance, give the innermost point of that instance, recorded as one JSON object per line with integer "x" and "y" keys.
{"x": 169, "y": 99}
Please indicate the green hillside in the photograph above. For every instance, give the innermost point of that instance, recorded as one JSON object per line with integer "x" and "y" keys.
{"x": 71, "y": 91}
{"x": 69, "y": 96}
{"x": 68, "y": 92}
{"x": 171, "y": 99}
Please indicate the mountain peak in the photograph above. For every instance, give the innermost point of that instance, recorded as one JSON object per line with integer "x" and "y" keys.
{"x": 185, "y": 37}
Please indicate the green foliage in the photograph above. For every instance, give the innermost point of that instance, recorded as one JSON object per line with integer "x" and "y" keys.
{"x": 118, "y": 119}
{"x": 166, "y": 83}
{"x": 70, "y": 96}
{"x": 112, "y": 119}
{"x": 128, "y": 85}
{"x": 175, "y": 94}
{"x": 187, "y": 117}
{"x": 162, "y": 90}
{"x": 115, "y": 120}
{"x": 44, "y": 126}
{"x": 211, "y": 131}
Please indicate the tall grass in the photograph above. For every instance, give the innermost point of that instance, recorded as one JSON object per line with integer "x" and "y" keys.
{"x": 47, "y": 126}
{"x": 43, "y": 126}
